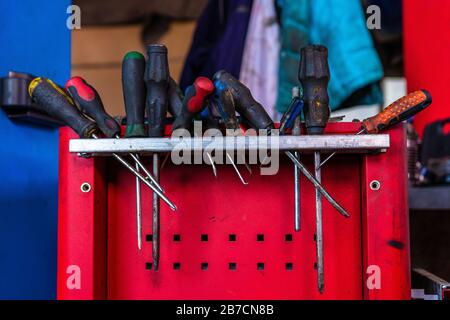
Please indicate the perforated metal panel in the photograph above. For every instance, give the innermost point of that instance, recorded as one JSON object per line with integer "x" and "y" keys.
{"x": 230, "y": 241}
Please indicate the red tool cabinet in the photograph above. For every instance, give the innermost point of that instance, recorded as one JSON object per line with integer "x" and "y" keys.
{"x": 230, "y": 241}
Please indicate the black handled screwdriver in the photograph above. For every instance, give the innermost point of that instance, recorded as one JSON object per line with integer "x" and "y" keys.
{"x": 257, "y": 116}
{"x": 134, "y": 93}
{"x": 314, "y": 75}
{"x": 157, "y": 78}
{"x": 175, "y": 98}
{"x": 51, "y": 99}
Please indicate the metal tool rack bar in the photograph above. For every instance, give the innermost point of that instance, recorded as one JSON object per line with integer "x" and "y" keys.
{"x": 230, "y": 241}
{"x": 343, "y": 143}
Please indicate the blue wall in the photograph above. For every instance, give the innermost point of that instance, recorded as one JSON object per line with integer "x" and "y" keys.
{"x": 34, "y": 39}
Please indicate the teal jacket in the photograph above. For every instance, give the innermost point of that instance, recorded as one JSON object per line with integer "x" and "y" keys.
{"x": 340, "y": 25}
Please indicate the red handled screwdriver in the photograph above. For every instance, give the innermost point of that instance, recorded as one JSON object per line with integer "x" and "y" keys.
{"x": 53, "y": 100}
{"x": 89, "y": 102}
{"x": 194, "y": 102}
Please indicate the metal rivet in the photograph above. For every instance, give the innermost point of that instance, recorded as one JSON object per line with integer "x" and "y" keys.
{"x": 85, "y": 187}
{"x": 375, "y": 185}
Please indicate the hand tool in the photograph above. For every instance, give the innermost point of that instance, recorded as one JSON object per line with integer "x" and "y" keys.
{"x": 222, "y": 104}
{"x": 296, "y": 131}
{"x": 291, "y": 120}
{"x": 400, "y": 110}
{"x": 88, "y": 100}
{"x": 51, "y": 99}
{"x": 133, "y": 86}
{"x": 227, "y": 109}
{"x": 292, "y": 113}
{"x": 193, "y": 103}
{"x": 157, "y": 78}
{"x": 314, "y": 75}
{"x": 175, "y": 105}
{"x": 175, "y": 98}
{"x": 259, "y": 119}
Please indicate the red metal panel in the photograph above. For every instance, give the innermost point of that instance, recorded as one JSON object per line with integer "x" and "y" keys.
{"x": 81, "y": 225}
{"x": 222, "y": 207}
{"x": 385, "y": 220}
{"x": 427, "y": 50}
{"x": 218, "y": 208}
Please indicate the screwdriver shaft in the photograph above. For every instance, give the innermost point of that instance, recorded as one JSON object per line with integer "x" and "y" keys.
{"x": 138, "y": 209}
{"x": 135, "y": 157}
{"x": 236, "y": 169}
{"x": 297, "y": 220}
{"x": 319, "y": 231}
{"x": 147, "y": 173}
{"x": 331, "y": 155}
{"x": 212, "y": 164}
{"x": 151, "y": 186}
{"x": 155, "y": 220}
{"x": 317, "y": 184}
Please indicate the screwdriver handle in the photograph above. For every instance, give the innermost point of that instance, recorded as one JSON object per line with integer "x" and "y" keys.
{"x": 400, "y": 110}
{"x": 175, "y": 98}
{"x": 292, "y": 113}
{"x": 53, "y": 100}
{"x": 193, "y": 102}
{"x": 89, "y": 102}
{"x": 157, "y": 78}
{"x": 314, "y": 75}
{"x": 134, "y": 93}
{"x": 245, "y": 104}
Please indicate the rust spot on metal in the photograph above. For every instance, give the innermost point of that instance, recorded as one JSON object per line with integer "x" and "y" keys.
{"x": 396, "y": 244}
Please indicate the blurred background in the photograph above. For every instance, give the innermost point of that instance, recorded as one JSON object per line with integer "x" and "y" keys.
{"x": 374, "y": 60}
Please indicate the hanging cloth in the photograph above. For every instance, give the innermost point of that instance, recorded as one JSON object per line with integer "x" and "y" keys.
{"x": 218, "y": 41}
{"x": 259, "y": 69}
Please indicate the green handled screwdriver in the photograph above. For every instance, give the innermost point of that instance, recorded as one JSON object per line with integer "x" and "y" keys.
{"x": 134, "y": 92}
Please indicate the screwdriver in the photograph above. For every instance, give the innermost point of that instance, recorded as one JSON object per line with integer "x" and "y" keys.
{"x": 291, "y": 120}
{"x": 223, "y": 104}
{"x": 175, "y": 98}
{"x": 133, "y": 86}
{"x": 89, "y": 102}
{"x": 314, "y": 75}
{"x": 157, "y": 78}
{"x": 227, "y": 109}
{"x": 194, "y": 102}
{"x": 256, "y": 115}
{"x": 51, "y": 99}
{"x": 175, "y": 105}
{"x": 400, "y": 110}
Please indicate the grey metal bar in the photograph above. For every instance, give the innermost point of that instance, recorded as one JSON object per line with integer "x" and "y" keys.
{"x": 324, "y": 143}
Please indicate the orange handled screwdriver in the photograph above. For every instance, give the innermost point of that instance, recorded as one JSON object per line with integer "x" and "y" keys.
{"x": 401, "y": 110}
